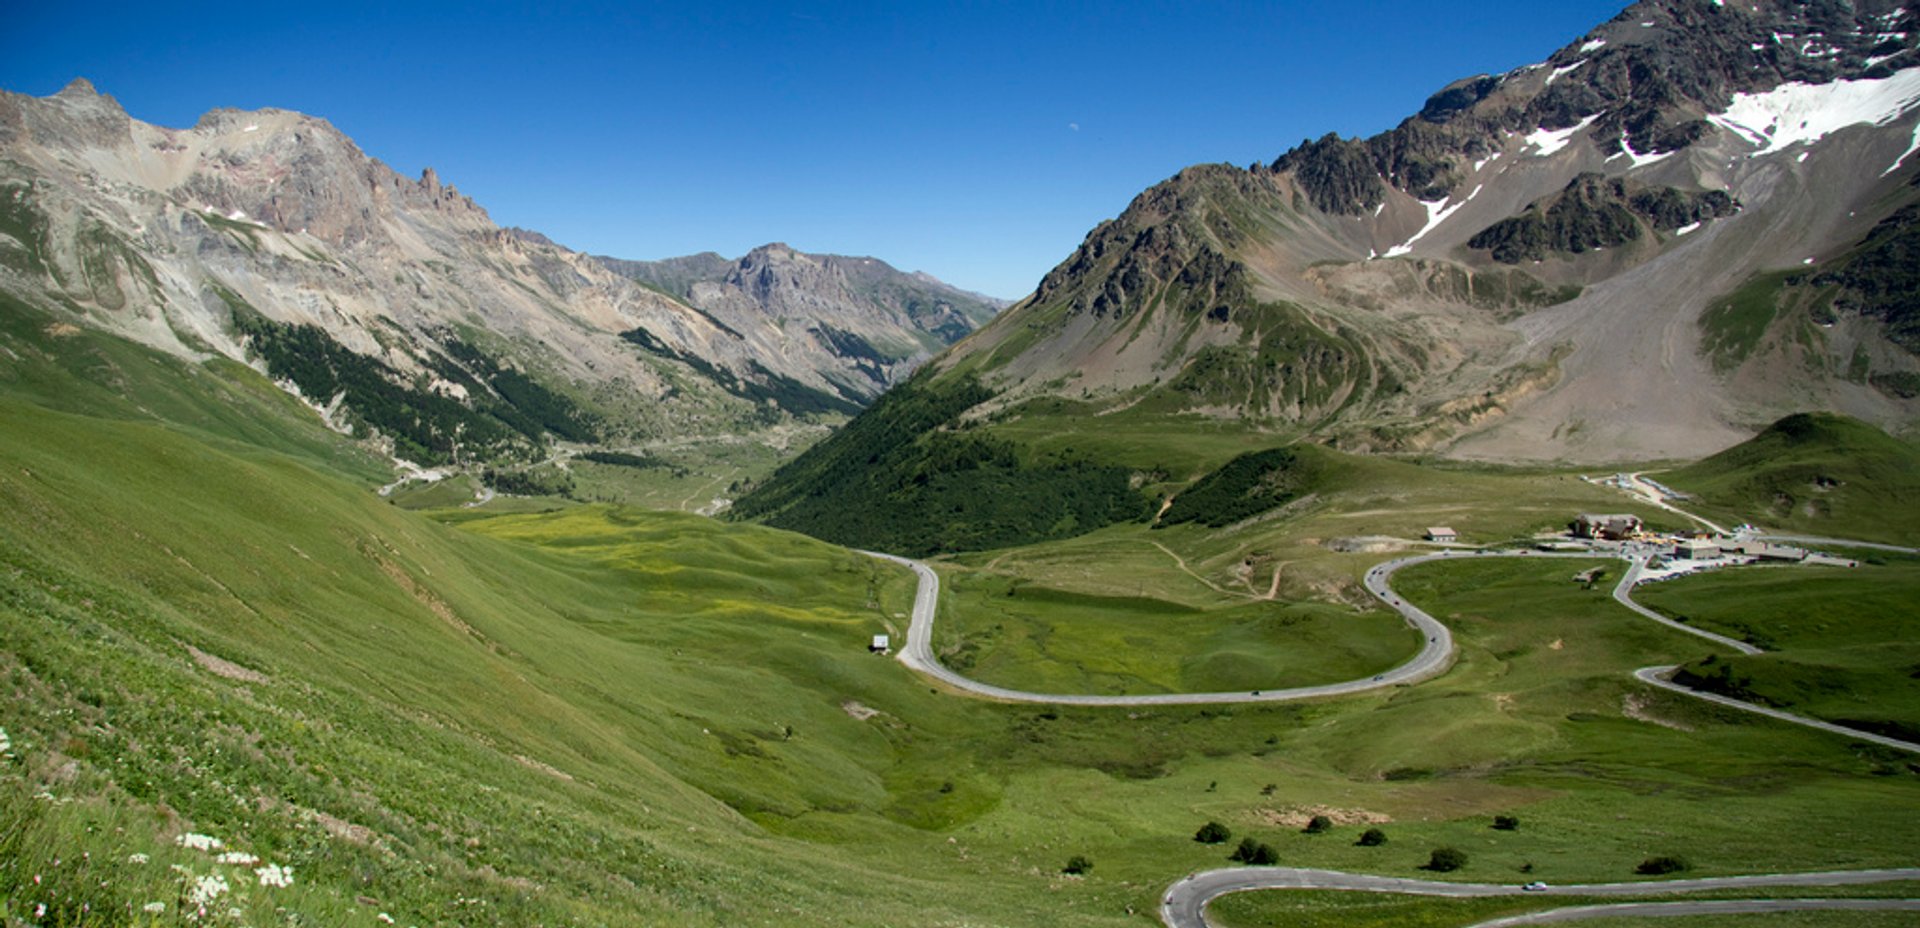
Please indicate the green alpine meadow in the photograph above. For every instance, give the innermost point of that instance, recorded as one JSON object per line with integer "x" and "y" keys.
{"x": 1508, "y": 516}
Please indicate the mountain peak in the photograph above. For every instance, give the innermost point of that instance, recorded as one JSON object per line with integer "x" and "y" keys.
{"x": 79, "y": 87}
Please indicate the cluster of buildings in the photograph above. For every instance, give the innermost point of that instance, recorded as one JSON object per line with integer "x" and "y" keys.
{"x": 1686, "y": 547}
{"x": 1706, "y": 548}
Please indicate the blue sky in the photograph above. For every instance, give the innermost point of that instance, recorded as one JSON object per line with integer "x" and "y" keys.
{"x": 977, "y": 142}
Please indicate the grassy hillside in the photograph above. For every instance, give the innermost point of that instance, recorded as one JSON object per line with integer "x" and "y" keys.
{"x": 1814, "y": 472}
{"x": 67, "y": 368}
{"x": 601, "y": 716}
{"x": 1840, "y": 641}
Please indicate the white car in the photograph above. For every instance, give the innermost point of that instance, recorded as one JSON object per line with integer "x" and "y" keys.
{"x": 1535, "y": 887}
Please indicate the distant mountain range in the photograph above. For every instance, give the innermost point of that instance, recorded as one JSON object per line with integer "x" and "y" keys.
{"x": 399, "y": 308}
{"x": 858, "y": 321}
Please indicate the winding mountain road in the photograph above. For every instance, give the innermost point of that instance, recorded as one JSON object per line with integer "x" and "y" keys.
{"x": 1622, "y": 595}
{"x": 1435, "y": 654}
{"x": 1185, "y": 903}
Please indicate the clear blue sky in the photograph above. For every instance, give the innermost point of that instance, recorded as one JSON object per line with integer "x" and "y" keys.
{"x": 977, "y": 142}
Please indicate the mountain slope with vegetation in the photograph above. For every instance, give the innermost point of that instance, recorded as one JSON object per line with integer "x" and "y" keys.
{"x": 601, "y": 715}
{"x": 395, "y": 304}
{"x": 1815, "y": 473}
{"x": 1495, "y": 277}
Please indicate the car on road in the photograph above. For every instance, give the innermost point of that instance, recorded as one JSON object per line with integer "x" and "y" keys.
{"x": 1535, "y": 887}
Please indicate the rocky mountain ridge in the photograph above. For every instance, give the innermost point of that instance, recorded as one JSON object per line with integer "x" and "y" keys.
{"x": 270, "y": 237}
{"x": 1525, "y": 268}
{"x": 883, "y": 322}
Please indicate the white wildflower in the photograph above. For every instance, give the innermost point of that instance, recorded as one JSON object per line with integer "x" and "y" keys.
{"x": 385, "y": 918}
{"x": 137, "y": 858}
{"x": 238, "y": 858}
{"x": 154, "y": 907}
{"x": 206, "y": 889}
{"x": 5, "y": 744}
{"x": 275, "y": 875}
{"x": 199, "y": 842}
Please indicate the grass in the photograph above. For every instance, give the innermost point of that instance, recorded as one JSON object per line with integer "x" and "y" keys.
{"x": 1813, "y": 472}
{"x": 1733, "y": 327}
{"x": 82, "y": 371}
{"x": 1014, "y": 633}
{"x": 1839, "y": 641}
{"x": 1317, "y": 909}
{"x": 597, "y": 715}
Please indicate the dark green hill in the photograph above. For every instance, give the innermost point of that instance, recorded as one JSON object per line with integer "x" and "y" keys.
{"x": 1815, "y": 472}
{"x": 1247, "y": 486}
{"x": 909, "y": 477}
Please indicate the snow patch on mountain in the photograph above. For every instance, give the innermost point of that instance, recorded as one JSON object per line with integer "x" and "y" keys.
{"x": 1558, "y": 72}
{"x": 1437, "y": 213}
{"x": 1911, "y": 148}
{"x": 1792, "y": 113}
{"x": 1549, "y": 141}
{"x": 1639, "y": 160}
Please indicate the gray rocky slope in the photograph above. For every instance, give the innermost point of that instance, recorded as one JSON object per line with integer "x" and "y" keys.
{"x": 882, "y": 321}
{"x": 1675, "y": 229}
{"x": 170, "y": 236}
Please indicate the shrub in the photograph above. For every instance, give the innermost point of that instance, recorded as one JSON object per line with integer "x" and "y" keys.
{"x": 1213, "y": 833}
{"x": 1319, "y": 825}
{"x": 1446, "y": 859}
{"x": 1506, "y": 823}
{"x": 1245, "y": 851}
{"x": 1655, "y": 866}
{"x": 1077, "y": 864}
{"x": 1372, "y": 837}
{"x": 1264, "y": 855}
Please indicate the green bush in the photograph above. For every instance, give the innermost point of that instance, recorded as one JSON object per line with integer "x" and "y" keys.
{"x": 1446, "y": 859}
{"x": 1258, "y": 853}
{"x": 1244, "y": 853}
{"x": 1657, "y": 866}
{"x": 1213, "y": 833}
{"x": 1078, "y": 864}
{"x": 1506, "y": 823}
{"x": 1372, "y": 837}
{"x": 1319, "y": 825}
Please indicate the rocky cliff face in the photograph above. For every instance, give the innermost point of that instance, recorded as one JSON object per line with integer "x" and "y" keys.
{"x": 860, "y": 322}
{"x": 1529, "y": 266}
{"x": 1642, "y": 84}
{"x": 269, "y": 237}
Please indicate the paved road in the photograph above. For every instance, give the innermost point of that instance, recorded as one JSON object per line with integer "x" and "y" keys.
{"x": 1834, "y": 542}
{"x": 1654, "y": 497}
{"x": 1621, "y": 593}
{"x": 1719, "y": 907}
{"x": 1660, "y": 677}
{"x": 1185, "y": 903}
{"x": 1435, "y": 654}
